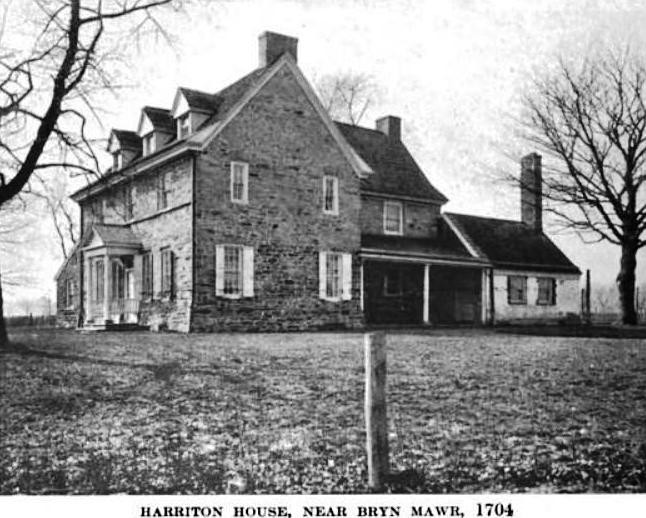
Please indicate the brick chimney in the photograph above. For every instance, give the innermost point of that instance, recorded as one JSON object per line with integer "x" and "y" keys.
{"x": 272, "y": 45}
{"x": 531, "y": 191}
{"x": 390, "y": 125}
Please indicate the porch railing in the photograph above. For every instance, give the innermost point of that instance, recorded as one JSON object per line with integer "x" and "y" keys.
{"x": 124, "y": 311}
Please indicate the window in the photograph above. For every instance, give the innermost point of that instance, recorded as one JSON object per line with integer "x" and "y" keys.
{"x": 330, "y": 195}
{"x": 183, "y": 125}
{"x": 335, "y": 276}
{"x": 167, "y": 273}
{"x": 393, "y": 217}
{"x": 148, "y": 142}
{"x": 546, "y": 291}
{"x": 393, "y": 283}
{"x": 117, "y": 282}
{"x": 239, "y": 182}
{"x": 147, "y": 275}
{"x": 234, "y": 271}
{"x": 128, "y": 202}
{"x": 69, "y": 293}
{"x": 517, "y": 289}
{"x": 117, "y": 160}
{"x": 163, "y": 190}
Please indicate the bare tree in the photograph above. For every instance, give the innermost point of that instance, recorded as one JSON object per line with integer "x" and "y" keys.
{"x": 49, "y": 86}
{"x": 590, "y": 122}
{"x": 347, "y": 96}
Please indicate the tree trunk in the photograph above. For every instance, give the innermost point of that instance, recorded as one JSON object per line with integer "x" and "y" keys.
{"x": 4, "y": 339}
{"x": 626, "y": 283}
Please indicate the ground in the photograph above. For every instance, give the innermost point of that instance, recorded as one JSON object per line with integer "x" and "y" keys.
{"x": 469, "y": 411}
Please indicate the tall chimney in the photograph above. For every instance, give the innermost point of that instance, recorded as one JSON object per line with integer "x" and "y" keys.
{"x": 390, "y": 125}
{"x": 531, "y": 191}
{"x": 272, "y": 45}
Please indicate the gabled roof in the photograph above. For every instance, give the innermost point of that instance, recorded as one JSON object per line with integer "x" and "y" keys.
{"x": 194, "y": 100}
{"x": 395, "y": 170}
{"x": 510, "y": 244}
{"x": 160, "y": 119}
{"x": 230, "y": 101}
{"x": 127, "y": 139}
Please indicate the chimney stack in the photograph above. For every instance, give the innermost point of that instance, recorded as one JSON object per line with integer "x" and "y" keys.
{"x": 531, "y": 191}
{"x": 272, "y": 45}
{"x": 390, "y": 125}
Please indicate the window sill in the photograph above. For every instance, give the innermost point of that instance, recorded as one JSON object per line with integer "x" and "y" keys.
{"x": 330, "y": 212}
{"x": 231, "y": 296}
{"x": 539, "y": 303}
{"x": 393, "y": 233}
{"x": 332, "y": 299}
{"x": 240, "y": 202}
{"x": 517, "y": 303}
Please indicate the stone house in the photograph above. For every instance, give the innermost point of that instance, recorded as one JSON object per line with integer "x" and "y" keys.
{"x": 250, "y": 209}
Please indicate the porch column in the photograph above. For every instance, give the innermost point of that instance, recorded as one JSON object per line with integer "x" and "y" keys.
{"x": 426, "y": 294}
{"x": 86, "y": 296}
{"x": 107, "y": 271}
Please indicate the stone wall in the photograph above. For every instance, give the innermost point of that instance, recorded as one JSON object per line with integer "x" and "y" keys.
{"x": 67, "y": 316}
{"x": 288, "y": 150}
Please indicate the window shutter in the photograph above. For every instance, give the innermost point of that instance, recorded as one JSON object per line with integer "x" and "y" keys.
{"x": 171, "y": 287}
{"x": 347, "y": 276}
{"x": 554, "y": 291}
{"x": 509, "y": 296}
{"x": 247, "y": 271}
{"x": 322, "y": 274}
{"x": 219, "y": 270}
{"x": 138, "y": 274}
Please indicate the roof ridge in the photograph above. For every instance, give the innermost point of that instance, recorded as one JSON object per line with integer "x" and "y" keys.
{"x": 492, "y": 218}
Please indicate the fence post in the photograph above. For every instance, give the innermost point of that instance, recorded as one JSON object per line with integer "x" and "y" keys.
{"x": 376, "y": 417}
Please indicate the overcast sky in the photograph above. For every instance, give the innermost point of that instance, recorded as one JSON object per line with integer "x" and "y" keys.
{"x": 451, "y": 70}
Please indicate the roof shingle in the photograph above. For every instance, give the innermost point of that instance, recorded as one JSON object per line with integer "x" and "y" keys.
{"x": 512, "y": 244}
{"x": 395, "y": 170}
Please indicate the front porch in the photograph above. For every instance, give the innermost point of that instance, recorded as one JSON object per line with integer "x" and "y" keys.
{"x": 111, "y": 296}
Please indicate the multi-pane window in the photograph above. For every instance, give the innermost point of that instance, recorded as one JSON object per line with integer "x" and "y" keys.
{"x": 335, "y": 276}
{"x": 232, "y": 270}
{"x": 183, "y": 125}
{"x": 128, "y": 202}
{"x": 333, "y": 279}
{"x": 163, "y": 191}
{"x": 239, "y": 182}
{"x": 148, "y": 142}
{"x": 546, "y": 291}
{"x": 147, "y": 275}
{"x": 517, "y": 289}
{"x": 330, "y": 194}
{"x": 393, "y": 217}
{"x": 167, "y": 273}
{"x": 118, "y": 278}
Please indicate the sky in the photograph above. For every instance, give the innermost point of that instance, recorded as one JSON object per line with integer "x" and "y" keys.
{"x": 453, "y": 71}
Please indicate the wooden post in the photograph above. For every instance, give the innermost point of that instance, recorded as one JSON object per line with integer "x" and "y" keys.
{"x": 376, "y": 416}
{"x": 425, "y": 302}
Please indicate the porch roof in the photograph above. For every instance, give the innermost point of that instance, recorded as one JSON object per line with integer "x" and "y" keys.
{"x": 445, "y": 250}
{"x": 103, "y": 234}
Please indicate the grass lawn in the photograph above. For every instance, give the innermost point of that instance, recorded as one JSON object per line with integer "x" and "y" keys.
{"x": 469, "y": 411}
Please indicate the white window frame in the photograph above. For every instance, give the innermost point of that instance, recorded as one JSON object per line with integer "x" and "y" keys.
{"x": 167, "y": 271}
{"x": 186, "y": 117}
{"x": 245, "y": 182}
{"x": 246, "y": 271}
{"x": 400, "y": 207}
{"x": 148, "y": 144}
{"x": 344, "y": 291}
{"x": 335, "y": 195}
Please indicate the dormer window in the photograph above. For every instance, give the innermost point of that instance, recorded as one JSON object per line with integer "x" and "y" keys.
{"x": 148, "y": 142}
{"x": 117, "y": 161}
{"x": 183, "y": 125}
